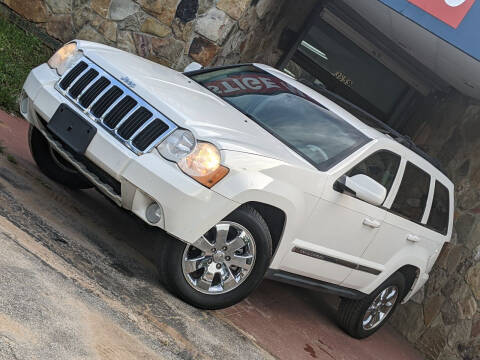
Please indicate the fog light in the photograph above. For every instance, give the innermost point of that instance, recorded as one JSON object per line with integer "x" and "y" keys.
{"x": 24, "y": 103}
{"x": 154, "y": 213}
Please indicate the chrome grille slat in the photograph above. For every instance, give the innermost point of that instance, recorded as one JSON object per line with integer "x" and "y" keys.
{"x": 153, "y": 127}
{"x": 125, "y": 92}
{"x": 97, "y": 88}
{"x": 130, "y": 126}
{"x": 105, "y": 101}
{"x": 99, "y": 96}
{"x": 122, "y": 120}
{"x": 124, "y": 109}
{"x": 77, "y": 89}
{"x": 88, "y": 87}
{"x": 72, "y": 84}
{"x": 141, "y": 128}
{"x": 112, "y": 106}
{"x": 71, "y": 75}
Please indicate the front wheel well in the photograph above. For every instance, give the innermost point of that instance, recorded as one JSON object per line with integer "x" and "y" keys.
{"x": 275, "y": 219}
{"x": 410, "y": 273}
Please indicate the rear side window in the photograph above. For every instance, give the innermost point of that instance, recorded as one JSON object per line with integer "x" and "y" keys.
{"x": 381, "y": 166}
{"x": 439, "y": 215}
{"x": 412, "y": 194}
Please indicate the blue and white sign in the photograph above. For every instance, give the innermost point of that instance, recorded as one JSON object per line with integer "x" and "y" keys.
{"x": 440, "y": 17}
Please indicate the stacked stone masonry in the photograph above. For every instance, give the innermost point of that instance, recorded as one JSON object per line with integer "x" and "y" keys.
{"x": 170, "y": 32}
{"x": 443, "y": 320}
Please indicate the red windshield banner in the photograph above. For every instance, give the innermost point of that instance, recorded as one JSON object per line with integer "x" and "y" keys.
{"x": 251, "y": 83}
{"x": 450, "y": 12}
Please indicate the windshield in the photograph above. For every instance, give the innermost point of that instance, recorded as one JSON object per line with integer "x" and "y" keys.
{"x": 299, "y": 121}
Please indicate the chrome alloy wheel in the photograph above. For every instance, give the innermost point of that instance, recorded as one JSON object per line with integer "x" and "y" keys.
{"x": 220, "y": 260}
{"x": 380, "y": 308}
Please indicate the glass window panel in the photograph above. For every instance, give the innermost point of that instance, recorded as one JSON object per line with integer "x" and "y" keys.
{"x": 439, "y": 214}
{"x": 352, "y": 66}
{"x": 299, "y": 121}
{"x": 381, "y": 166}
{"x": 412, "y": 194}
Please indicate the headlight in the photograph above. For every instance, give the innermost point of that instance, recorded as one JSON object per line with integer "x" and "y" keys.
{"x": 199, "y": 160}
{"x": 178, "y": 145}
{"x": 64, "y": 58}
{"x": 203, "y": 164}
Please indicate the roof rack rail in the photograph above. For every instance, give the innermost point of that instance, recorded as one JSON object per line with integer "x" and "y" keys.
{"x": 382, "y": 127}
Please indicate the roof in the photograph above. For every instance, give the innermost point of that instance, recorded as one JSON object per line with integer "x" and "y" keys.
{"x": 362, "y": 120}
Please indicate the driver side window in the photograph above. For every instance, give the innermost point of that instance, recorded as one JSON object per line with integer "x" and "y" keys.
{"x": 381, "y": 166}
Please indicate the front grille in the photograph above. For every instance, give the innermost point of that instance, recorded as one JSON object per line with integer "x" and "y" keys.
{"x": 82, "y": 83}
{"x": 106, "y": 101}
{"x": 146, "y": 136}
{"x": 119, "y": 112}
{"x": 73, "y": 74}
{"x": 134, "y": 122}
{"x": 93, "y": 91}
{"x": 110, "y": 103}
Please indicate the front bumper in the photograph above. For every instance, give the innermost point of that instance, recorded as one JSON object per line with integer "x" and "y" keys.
{"x": 189, "y": 208}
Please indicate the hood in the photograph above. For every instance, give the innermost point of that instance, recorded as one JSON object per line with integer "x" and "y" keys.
{"x": 189, "y": 105}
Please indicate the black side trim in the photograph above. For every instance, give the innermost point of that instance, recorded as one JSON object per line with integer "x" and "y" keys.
{"x": 341, "y": 186}
{"x": 312, "y": 284}
{"x": 337, "y": 261}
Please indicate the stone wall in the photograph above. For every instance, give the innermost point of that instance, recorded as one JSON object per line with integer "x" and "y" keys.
{"x": 443, "y": 320}
{"x": 172, "y": 32}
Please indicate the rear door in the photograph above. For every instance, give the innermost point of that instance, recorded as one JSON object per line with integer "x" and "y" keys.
{"x": 404, "y": 231}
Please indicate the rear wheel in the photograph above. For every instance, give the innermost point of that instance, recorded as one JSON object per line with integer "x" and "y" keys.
{"x": 52, "y": 164}
{"x": 361, "y": 318}
{"x": 222, "y": 267}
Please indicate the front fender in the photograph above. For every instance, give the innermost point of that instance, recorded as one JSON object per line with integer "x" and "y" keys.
{"x": 294, "y": 190}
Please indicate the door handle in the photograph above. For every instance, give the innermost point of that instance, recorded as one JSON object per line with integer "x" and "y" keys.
{"x": 374, "y": 224}
{"x": 413, "y": 238}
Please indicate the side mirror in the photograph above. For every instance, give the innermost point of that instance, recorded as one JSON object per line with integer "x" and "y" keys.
{"x": 194, "y": 66}
{"x": 362, "y": 187}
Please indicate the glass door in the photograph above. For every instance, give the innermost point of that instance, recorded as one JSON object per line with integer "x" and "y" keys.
{"x": 326, "y": 59}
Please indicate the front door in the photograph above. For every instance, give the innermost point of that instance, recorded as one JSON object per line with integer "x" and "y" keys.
{"x": 342, "y": 226}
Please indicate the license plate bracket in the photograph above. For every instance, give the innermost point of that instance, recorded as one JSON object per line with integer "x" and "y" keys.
{"x": 76, "y": 132}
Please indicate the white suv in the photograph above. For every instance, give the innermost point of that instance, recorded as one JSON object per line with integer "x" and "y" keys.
{"x": 251, "y": 173}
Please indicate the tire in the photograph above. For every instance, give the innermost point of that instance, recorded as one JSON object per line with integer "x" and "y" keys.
{"x": 53, "y": 164}
{"x": 351, "y": 313}
{"x": 178, "y": 281}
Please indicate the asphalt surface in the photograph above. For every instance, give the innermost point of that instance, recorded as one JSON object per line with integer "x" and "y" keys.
{"x": 78, "y": 281}
{"x": 72, "y": 285}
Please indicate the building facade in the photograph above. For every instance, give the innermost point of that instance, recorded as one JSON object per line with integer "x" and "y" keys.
{"x": 413, "y": 64}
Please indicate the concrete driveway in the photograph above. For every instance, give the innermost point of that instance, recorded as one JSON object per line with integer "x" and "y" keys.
{"x": 77, "y": 281}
